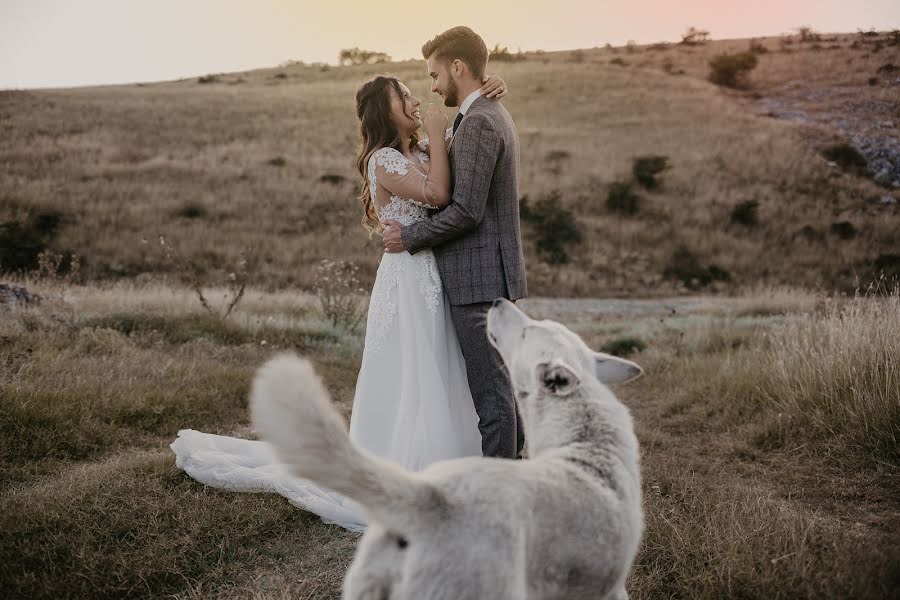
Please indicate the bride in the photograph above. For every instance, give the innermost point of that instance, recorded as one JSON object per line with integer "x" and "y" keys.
{"x": 412, "y": 403}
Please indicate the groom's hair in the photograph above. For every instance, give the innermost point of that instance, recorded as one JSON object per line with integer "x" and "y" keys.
{"x": 462, "y": 43}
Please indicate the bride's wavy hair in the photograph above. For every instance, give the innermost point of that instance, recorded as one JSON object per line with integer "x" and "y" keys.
{"x": 373, "y": 108}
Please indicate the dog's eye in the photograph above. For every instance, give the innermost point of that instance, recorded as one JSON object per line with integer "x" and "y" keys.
{"x": 402, "y": 543}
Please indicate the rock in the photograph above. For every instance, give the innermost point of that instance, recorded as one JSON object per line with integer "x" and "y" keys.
{"x": 888, "y": 199}
{"x": 16, "y": 294}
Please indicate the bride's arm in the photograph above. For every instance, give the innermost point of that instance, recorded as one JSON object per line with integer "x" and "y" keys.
{"x": 494, "y": 87}
{"x": 439, "y": 160}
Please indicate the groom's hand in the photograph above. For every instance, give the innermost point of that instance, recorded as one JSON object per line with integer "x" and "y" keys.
{"x": 393, "y": 243}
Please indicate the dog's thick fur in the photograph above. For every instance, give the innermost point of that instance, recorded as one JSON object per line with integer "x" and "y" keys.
{"x": 564, "y": 524}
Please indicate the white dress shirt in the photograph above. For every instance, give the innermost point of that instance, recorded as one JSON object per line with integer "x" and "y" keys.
{"x": 468, "y": 101}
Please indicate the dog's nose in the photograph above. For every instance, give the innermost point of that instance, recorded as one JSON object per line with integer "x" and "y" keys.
{"x": 498, "y": 301}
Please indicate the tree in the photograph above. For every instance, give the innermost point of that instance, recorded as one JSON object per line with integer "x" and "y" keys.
{"x": 694, "y": 36}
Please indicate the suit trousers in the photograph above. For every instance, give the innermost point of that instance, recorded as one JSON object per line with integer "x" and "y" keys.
{"x": 502, "y": 434}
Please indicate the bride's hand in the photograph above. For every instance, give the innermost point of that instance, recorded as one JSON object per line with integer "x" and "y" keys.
{"x": 494, "y": 87}
{"x": 435, "y": 122}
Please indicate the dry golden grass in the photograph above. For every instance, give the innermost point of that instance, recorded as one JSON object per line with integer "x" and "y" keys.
{"x": 246, "y": 154}
{"x": 96, "y": 385}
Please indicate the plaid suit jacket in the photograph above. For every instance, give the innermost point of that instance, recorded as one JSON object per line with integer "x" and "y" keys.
{"x": 477, "y": 238}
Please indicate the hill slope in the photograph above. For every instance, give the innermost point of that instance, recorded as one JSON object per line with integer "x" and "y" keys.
{"x": 265, "y": 160}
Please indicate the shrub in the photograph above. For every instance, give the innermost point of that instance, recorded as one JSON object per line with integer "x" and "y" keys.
{"x": 623, "y": 347}
{"x": 278, "y": 161}
{"x": 555, "y": 227}
{"x": 57, "y": 267}
{"x": 503, "y": 54}
{"x": 731, "y": 70}
{"x": 685, "y": 267}
{"x": 192, "y": 211}
{"x": 646, "y": 168}
{"x": 338, "y": 288}
{"x": 846, "y": 156}
{"x": 576, "y": 56}
{"x": 208, "y": 79}
{"x": 332, "y": 178}
{"x": 745, "y": 213}
{"x": 192, "y": 275}
{"x": 807, "y": 34}
{"x": 844, "y": 230}
{"x": 694, "y": 36}
{"x": 357, "y": 56}
{"x": 22, "y": 242}
{"x": 622, "y": 199}
{"x": 888, "y": 265}
{"x": 619, "y": 62}
{"x": 811, "y": 234}
{"x": 888, "y": 68}
{"x": 757, "y": 47}
{"x": 557, "y": 155}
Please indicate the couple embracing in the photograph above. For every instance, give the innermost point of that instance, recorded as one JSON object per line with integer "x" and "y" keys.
{"x": 431, "y": 387}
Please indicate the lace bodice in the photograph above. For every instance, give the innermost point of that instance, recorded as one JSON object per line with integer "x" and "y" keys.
{"x": 402, "y": 185}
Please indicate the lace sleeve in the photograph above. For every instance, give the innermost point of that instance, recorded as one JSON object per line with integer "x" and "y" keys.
{"x": 393, "y": 171}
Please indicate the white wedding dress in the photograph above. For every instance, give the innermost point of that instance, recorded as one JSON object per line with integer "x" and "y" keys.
{"x": 412, "y": 403}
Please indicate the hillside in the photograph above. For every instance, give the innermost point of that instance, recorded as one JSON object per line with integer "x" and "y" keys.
{"x": 260, "y": 166}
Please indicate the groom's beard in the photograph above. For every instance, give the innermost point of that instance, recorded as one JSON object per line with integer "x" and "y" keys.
{"x": 451, "y": 98}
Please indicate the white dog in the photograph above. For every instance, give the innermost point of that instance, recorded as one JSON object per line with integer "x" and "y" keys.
{"x": 564, "y": 524}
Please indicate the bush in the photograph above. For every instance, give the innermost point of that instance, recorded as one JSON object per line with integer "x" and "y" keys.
{"x": 208, "y": 79}
{"x": 332, "y": 178}
{"x": 23, "y": 242}
{"x": 623, "y": 347}
{"x": 694, "y": 36}
{"x": 757, "y": 47}
{"x": 683, "y": 266}
{"x": 731, "y": 70}
{"x": 338, "y": 288}
{"x": 847, "y": 157}
{"x": 357, "y": 56}
{"x": 888, "y": 265}
{"x": 646, "y": 168}
{"x": 745, "y": 213}
{"x": 555, "y": 227}
{"x": 502, "y": 54}
{"x": 192, "y": 211}
{"x": 844, "y": 230}
{"x": 577, "y": 56}
{"x": 622, "y": 199}
{"x": 807, "y": 34}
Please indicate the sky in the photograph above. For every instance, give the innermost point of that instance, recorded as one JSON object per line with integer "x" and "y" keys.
{"x": 61, "y": 43}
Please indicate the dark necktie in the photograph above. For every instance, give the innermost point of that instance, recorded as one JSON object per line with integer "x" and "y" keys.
{"x": 457, "y": 121}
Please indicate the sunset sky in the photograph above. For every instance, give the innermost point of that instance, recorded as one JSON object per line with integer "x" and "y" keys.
{"x": 81, "y": 42}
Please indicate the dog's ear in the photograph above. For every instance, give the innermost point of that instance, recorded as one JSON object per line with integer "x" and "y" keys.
{"x": 557, "y": 377}
{"x": 612, "y": 369}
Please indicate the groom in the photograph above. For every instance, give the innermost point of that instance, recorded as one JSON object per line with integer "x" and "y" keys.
{"x": 476, "y": 238}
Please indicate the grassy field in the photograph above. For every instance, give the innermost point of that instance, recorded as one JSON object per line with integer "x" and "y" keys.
{"x": 769, "y": 415}
{"x": 769, "y": 427}
{"x": 261, "y": 163}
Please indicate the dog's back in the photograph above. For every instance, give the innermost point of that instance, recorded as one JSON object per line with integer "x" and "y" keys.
{"x": 564, "y": 524}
